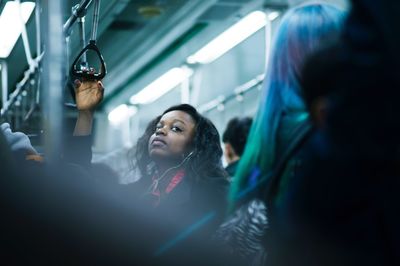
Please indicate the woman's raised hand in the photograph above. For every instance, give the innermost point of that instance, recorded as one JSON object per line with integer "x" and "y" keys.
{"x": 88, "y": 94}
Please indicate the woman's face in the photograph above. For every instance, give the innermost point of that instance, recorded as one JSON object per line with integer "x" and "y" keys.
{"x": 172, "y": 137}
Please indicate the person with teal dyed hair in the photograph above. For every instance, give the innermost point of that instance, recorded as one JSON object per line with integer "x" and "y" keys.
{"x": 281, "y": 118}
{"x": 282, "y": 111}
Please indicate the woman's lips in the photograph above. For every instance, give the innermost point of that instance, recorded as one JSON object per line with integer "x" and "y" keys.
{"x": 158, "y": 142}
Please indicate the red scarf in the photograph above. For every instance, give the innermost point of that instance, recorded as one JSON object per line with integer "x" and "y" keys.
{"x": 176, "y": 179}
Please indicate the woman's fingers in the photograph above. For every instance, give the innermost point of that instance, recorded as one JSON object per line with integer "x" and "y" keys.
{"x": 87, "y": 85}
{"x": 100, "y": 88}
{"x": 88, "y": 71}
{"x": 77, "y": 83}
{"x": 100, "y": 85}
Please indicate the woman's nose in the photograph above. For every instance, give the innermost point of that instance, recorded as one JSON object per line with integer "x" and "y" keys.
{"x": 160, "y": 131}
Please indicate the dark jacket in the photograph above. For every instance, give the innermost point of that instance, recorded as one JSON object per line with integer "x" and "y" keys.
{"x": 189, "y": 202}
{"x": 290, "y": 126}
{"x": 231, "y": 169}
{"x": 343, "y": 209}
{"x": 56, "y": 215}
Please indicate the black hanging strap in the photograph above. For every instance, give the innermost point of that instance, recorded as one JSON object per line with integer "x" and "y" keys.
{"x": 85, "y": 73}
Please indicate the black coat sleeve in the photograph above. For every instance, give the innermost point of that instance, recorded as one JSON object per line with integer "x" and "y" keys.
{"x": 78, "y": 150}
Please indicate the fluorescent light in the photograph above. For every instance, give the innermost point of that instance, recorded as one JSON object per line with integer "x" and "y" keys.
{"x": 10, "y": 24}
{"x": 121, "y": 114}
{"x": 273, "y": 15}
{"x": 162, "y": 85}
{"x": 229, "y": 38}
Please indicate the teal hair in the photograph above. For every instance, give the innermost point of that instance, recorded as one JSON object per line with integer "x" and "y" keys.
{"x": 301, "y": 32}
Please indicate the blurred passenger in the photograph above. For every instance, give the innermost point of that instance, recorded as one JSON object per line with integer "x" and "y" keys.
{"x": 20, "y": 144}
{"x": 272, "y": 158}
{"x": 178, "y": 158}
{"x": 282, "y": 110}
{"x": 54, "y": 214}
{"x": 344, "y": 209}
{"x": 234, "y": 139}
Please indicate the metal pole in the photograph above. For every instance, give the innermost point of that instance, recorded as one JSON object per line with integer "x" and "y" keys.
{"x": 4, "y": 85}
{"x": 53, "y": 72}
{"x": 185, "y": 89}
{"x": 268, "y": 42}
{"x": 38, "y": 13}
{"x": 67, "y": 42}
{"x": 25, "y": 40}
{"x": 83, "y": 5}
{"x": 96, "y": 11}
{"x": 82, "y": 34}
{"x": 38, "y": 32}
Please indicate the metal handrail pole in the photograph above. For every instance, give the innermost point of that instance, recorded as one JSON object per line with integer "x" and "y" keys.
{"x": 83, "y": 6}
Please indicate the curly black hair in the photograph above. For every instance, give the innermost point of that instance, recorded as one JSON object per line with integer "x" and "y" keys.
{"x": 204, "y": 162}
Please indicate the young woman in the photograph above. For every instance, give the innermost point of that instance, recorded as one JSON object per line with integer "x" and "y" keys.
{"x": 178, "y": 158}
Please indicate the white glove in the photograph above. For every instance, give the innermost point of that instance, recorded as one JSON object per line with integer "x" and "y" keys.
{"x": 18, "y": 141}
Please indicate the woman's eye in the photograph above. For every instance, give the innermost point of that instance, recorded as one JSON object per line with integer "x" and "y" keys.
{"x": 176, "y": 129}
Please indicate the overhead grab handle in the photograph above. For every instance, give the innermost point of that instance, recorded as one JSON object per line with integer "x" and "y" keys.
{"x": 77, "y": 70}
